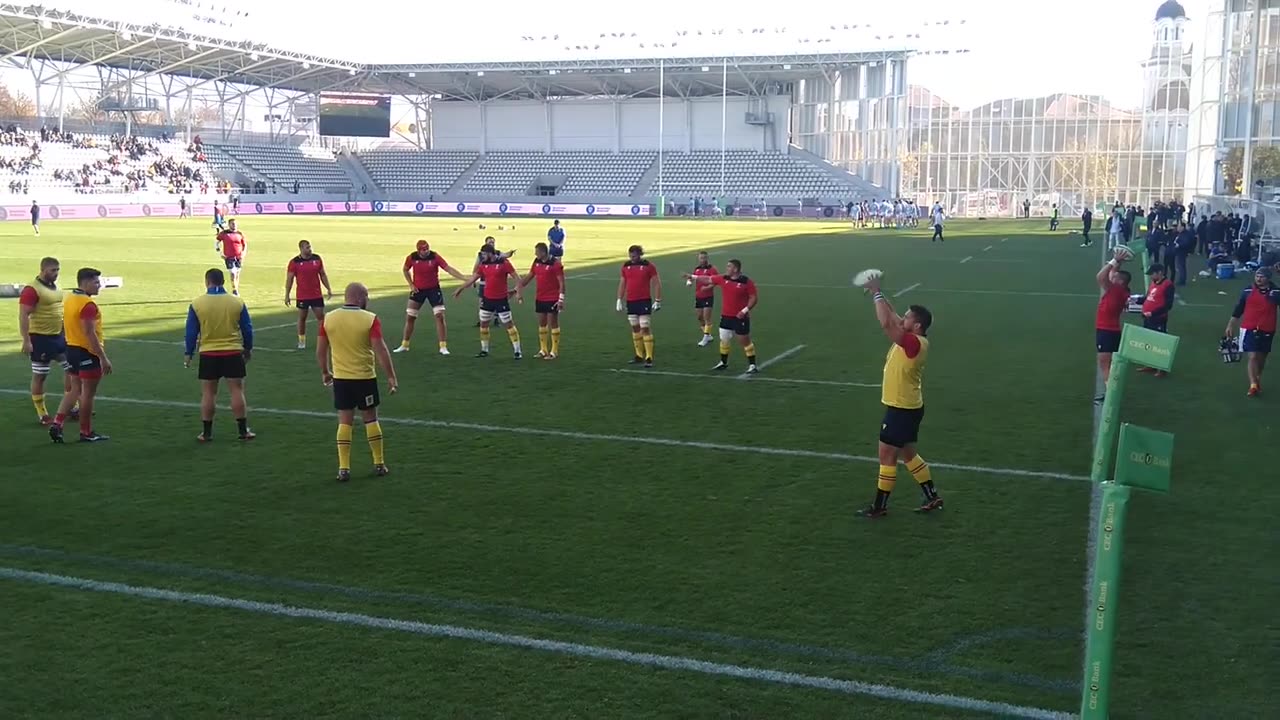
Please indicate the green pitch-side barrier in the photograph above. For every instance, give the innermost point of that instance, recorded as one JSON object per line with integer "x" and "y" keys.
{"x": 1143, "y": 459}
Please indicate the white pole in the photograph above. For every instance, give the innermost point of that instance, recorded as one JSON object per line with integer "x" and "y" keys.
{"x": 724, "y": 120}
{"x": 662, "y": 82}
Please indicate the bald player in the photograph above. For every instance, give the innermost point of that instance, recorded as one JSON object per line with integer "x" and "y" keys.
{"x": 349, "y": 349}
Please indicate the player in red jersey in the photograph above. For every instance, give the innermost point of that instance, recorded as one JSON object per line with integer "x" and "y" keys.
{"x": 495, "y": 271}
{"x": 548, "y": 299}
{"x": 1114, "y": 284}
{"x": 739, "y": 299}
{"x": 422, "y": 273}
{"x": 308, "y": 270}
{"x": 640, "y": 285}
{"x": 704, "y": 296}
{"x": 233, "y": 248}
{"x": 1156, "y": 306}
{"x": 1255, "y": 313}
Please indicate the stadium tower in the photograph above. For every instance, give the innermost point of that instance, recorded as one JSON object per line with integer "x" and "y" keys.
{"x": 1166, "y": 100}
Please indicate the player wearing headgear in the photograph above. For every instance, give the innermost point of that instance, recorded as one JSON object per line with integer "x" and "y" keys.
{"x": 640, "y": 285}
{"x": 40, "y": 325}
{"x": 555, "y": 238}
{"x": 549, "y": 299}
{"x": 422, "y": 272}
{"x": 739, "y": 299}
{"x": 902, "y": 394}
{"x": 495, "y": 270}
{"x": 1255, "y": 313}
{"x": 308, "y": 270}
{"x": 704, "y": 296}
{"x": 233, "y": 248}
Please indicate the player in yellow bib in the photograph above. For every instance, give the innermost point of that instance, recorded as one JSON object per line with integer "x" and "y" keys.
{"x": 902, "y": 393}
{"x": 40, "y": 325}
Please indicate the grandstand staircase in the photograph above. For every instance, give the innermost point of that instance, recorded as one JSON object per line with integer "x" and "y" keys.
{"x": 647, "y": 180}
{"x": 357, "y": 173}
{"x": 225, "y": 160}
{"x": 465, "y": 177}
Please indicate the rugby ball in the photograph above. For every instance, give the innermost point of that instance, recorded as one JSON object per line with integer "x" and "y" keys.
{"x": 866, "y": 276}
{"x": 1123, "y": 252}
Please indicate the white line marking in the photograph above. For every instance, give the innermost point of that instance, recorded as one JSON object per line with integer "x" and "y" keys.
{"x": 571, "y": 435}
{"x": 906, "y": 290}
{"x": 987, "y": 248}
{"x": 489, "y": 637}
{"x": 1004, "y": 239}
{"x": 276, "y": 327}
{"x": 583, "y": 275}
{"x": 774, "y": 359}
{"x": 1180, "y": 300}
{"x": 182, "y": 344}
{"x": 966, "y": 260}
{"x": 756, "y": 378}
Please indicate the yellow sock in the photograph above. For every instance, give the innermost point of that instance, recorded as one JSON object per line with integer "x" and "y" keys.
{"x": 555, "y": 341}
{"x": 638, "y": 343}
{"x": 444, "y": 345}
{"x": 648, "y": 347}
{"x": 344, "y": 447}
{"x": 706, "y": 329}
{"x": 543, "y": 336}
{"x": 724, "y": 348}
{"x": 373, "y": 433}
{"x": 750, "y": 352}
{"x": 919, "y": 470}
{"x": 888, "y": 478}
{"x": 404, "y": 344}
{"x": 302, "y": 339}
{"x": 38, "y": 401}
{"x": 484, "y": 339}
{"x": 514, "y": 335}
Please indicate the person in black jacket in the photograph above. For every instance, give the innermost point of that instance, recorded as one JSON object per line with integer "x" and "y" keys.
{"x": 1086, "y": 219}
{"x": 1183, "y": 245}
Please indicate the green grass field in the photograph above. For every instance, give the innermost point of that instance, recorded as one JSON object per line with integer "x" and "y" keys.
{"x": 619, "y": 516}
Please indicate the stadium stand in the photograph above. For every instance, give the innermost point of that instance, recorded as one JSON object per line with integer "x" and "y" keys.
{"x": 752, "y": 174}
{"x": 284, "y": 165}
{"x": 584, "y": 172}
{"x": 417, "y": 171}
{"x": 33, "y": 162}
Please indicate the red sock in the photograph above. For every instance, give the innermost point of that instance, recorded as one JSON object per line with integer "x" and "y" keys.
{"x": 59, "y": 419}
{"x": 86, "y": 423}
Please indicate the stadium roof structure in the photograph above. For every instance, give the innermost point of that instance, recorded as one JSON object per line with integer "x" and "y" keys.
{"x": 74, "y": 39}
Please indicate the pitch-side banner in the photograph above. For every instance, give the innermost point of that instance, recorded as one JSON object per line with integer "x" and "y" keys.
{"x": 166, "y": 209}
{"x": 501, "y": 208}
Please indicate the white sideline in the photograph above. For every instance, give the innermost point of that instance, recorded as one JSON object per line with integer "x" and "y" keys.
{"x": 755, "y": 378}
{"x": 141, "y": 341}
{"x": 774, "y": 359}
{"x": 489, "y": 637}
{"x": 276, "y": 327}
{"x": 987, "y": 248}
{"x": 571, "y": 435}
{"x": 966, "y": 260}
{"x": 906, "y": 290}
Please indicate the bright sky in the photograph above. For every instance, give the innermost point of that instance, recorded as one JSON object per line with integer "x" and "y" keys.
{"x": 1017, "y": 49}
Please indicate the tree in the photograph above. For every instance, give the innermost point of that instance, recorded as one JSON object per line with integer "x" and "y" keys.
{"x": 15, "y": 104}
{"x": 201, "y": 115}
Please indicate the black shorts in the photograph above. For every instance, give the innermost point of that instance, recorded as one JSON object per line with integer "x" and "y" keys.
{"x": 739, "y": 326}
{"x": 1160, "y": 324}
{"x": 431, "y": 296}
{"x": 232, "y": 262}
{"x": 1256, "y": 341}
{"x": 900, "y": 427}
{"x": 546, "y": 307}
{"x": 312, "y": 303}
{"x": 216, "y": 367}
{"x": 705, "y": 302}
{"x": 495, "y": 306}
{"x": 640, "y": 308}
{"x": 83, "y": 363}
{"x": 47, "y": 348}
{"x": 1108, "y": 341}
{"x": 355, "y": 394}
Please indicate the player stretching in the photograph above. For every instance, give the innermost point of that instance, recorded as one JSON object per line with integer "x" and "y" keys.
{"x": 548, "y": 298}
{"x": 40, "y": 324}
{"x": 1114, "y": 284}
{"x": 1255, "y": 313}
{"x": 704, "y": 296}
{"x": 422, "y": 272}
{"x": 494, "y": 271}
{"x": 642, "y": 288}
{"x": 740, "y": 298}
{"x": 232, "y": 245}
{"x": 308, "y": 269}
{"x": 219, "y": 323}
{"x": 82, "y": 323}
{"x": 350, "y": 341}
{"x": 902, "y": 394}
